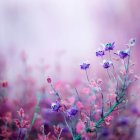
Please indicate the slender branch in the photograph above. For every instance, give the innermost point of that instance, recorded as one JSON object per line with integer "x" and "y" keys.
{"x": 102, "y": 105}
{"x": 59, "y": 134}
{"x": 115, "y": 74}
{"x": 77, "y": 94}
{"x": 87, "y": 76}
{"x": 68, "y": 126}
{"x": 55, "y": 92}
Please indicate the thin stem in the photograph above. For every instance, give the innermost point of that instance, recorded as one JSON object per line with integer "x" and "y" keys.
{"x": 102, "y": 105}
{"x": 115, "y": 74}
{"x": 87, "y": 76}
{"x": 55, "y": 92}
{"x": 125, "y": 65}
{"x": 108, "y": 74}
{"x": 34, "y": 118}
{"x": 18, "y": 138}
{"x": 68, "y": 126}
{"x": 59, "y": 134}
{"x": 77, "y": 94}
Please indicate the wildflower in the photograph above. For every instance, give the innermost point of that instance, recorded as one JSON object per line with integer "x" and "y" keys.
{"x": 105, "y": 133}
{"x": 123, "y": 54}
{"x": 80, "y": 127}
{"x": 123, "y": 121}
{"x": 106, "y": 64}
{"x": 79, "y": 105}
{"x": 49, "y": 80}
{"x": 132, "y": 42}
{"x": 84, "y": 66}
{"x": 109, "y": 46}
{"x": 57, "y": 129}
{"x": 4, "y": 84}
{"x": 20, "y": 123}
{"x": 21, "y": 113}
{"x": 72, "y": 111}
{"x": 108, "y": 120}
{"x": 100, "y": 52}
{"x": 55, "y": 106}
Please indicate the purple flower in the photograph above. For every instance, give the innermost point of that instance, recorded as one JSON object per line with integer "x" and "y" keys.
{"x": 109, "y": 46}
{"x": 84, "y": 66}
{"x": 106, "y": 64}
{"x": 72, "y": 111}
{"x": 123, "y": 121}
{"x": 123, "y": 54}
{"x": 100, "y": 53}
{"x": 105, "y": 132}
{"x": 55, "y": 106}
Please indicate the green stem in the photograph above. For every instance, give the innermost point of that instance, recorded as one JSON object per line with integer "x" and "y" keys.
{"x": 59, "y": 134}
{"x": 68, "y": 127}
{"x": 34, "y": 118}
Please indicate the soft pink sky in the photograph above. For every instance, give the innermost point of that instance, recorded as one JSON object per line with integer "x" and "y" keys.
{"x": 75, "y": 28}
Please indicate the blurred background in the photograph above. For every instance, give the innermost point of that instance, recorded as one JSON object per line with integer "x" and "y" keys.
{"x": 65, "y": 32}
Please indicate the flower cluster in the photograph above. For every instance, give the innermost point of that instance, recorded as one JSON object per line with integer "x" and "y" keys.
{"x": 21, "y": 123}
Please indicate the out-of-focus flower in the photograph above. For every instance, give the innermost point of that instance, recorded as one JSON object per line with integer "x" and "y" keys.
{"x": 136, "y": 77}
{"x": 49, "y": 80}
{"x": 72, "y": 111}
{"x": 22, "y": 123}
{"x": 92, "y": 125}
{"x": 21, "y": 113}
{"x": 4, "y": 84}
{"x": 57, "y": 129}
{"x": 112, "y": 96}
{"x": 132, "y": 42}
{"x": 79, "y": 105}
{"x": 55, "y": 106}
{"x": 5, "y": 133}
{"x": 8, "y": 117}
{"x": 123, "y": 54}
{"x": 123, "y": 121}
{"x": 106, "y": 64}
{"x": 109, "y": 46}
{"x": 58, "y": 85}
{"x": 100, "y": 53}
{"x": 80, "y": 127}
{"x": 108, "y": 120}
{"x": 105, "y": 132}
{"x": 86, "y": 90}
{"x": 84, "y": 66}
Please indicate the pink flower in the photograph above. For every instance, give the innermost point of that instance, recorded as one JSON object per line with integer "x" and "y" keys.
{"x": 112, "y": 96}
{"x": 49, "y": 80}
{"x": 136, "y": 77}
{"x": 86, "y": 90}
{"x": 99, "y": 81}
{"x": 22, "y": 124}
{"x": 79, "y": 105}
{"x": 92, "y": 98}
{"x": 80, "y": 127}
{"x": 57, "y": 129}
{"x": 58, "y": 85}
{"x": 92, "y": 125}
{"x": 4, "y": 84}
{"x": 21, "y": 113}
{"x": 108, "y": 120}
